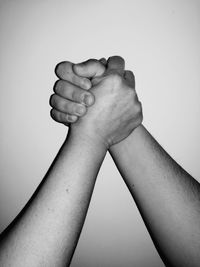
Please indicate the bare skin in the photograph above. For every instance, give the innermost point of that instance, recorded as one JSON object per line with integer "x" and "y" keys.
{"x": 168, "y": 197}
{"x": 46, "y": 232}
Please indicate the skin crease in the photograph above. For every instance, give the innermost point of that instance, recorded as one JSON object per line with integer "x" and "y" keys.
{"x": 46, "y": 231}
{"x": 160, "y": 187}
{"x": 112, "y": 123}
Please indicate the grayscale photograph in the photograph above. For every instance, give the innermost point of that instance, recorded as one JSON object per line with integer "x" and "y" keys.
{"x": 100, "y": 133}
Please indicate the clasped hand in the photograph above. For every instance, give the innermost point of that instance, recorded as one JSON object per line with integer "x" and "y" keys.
{"x": 103, "y": 90}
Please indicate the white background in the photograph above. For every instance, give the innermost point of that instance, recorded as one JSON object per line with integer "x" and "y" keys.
{"x": 160, "y": 42}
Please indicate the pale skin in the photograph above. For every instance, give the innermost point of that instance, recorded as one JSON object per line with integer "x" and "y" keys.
{"x": 167, "y": 197}
{"x": 46, "y": 232}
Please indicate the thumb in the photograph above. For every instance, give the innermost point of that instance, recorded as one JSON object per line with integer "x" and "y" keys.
{"x": 89, "y": 69}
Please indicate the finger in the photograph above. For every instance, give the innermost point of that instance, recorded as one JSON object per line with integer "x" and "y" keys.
{"x": 90, "y": 68}
{"x": 116, "y": 64}
{"x": 103, "y": 61}
{"x": 73, "y": 93}
{"x": 64, "y": 105}
{"x": 64, "y": 71}
{"x": 129, "y": 76}
{"x": 63, "y": 117}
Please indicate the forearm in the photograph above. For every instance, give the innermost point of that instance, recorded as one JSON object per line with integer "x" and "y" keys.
{"x": 167, "y": 197}
{"x": 47, "y": 232}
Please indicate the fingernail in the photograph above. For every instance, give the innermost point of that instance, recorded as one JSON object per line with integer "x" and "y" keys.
{"x": 71, "y": 118}
{"x": 88, "y": 100}
{"x": 80, "y": 110}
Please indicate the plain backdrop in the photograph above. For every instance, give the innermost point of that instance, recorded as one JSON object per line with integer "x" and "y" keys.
{"x": 160, "y": 42}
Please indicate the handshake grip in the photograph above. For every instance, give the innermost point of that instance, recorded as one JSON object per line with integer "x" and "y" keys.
{"x": 97, "y": 99}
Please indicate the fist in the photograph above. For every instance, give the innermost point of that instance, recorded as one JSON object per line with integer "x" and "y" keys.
{"x": 71, "y": 98}
{"x": 116, "y": 112}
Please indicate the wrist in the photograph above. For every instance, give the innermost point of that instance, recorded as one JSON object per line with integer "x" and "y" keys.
{"x": 133, "y": 138}
{"x": 86, "y": 137}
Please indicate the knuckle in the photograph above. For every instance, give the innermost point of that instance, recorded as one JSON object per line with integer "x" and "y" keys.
{"x": 52, "y": 100}
{"x": 115, "y": 78}
{"x": 54, "y": 115}
{"x": 62, "y": 117}
{"x": 58, "y": 86}
{"x": 58, "y": 69}
{"x": 58, "y": 103}
{"x": 99, "y": 67}
{"x": 62, "y": 68}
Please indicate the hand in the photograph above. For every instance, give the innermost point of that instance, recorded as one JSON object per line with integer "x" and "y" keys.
{"x": 117, "y": 110}
{"x": 71, "y": 97}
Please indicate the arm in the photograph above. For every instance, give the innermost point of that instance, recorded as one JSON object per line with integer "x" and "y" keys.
{"x": 47, "y": 230}
{"x": 167, "y": 196}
